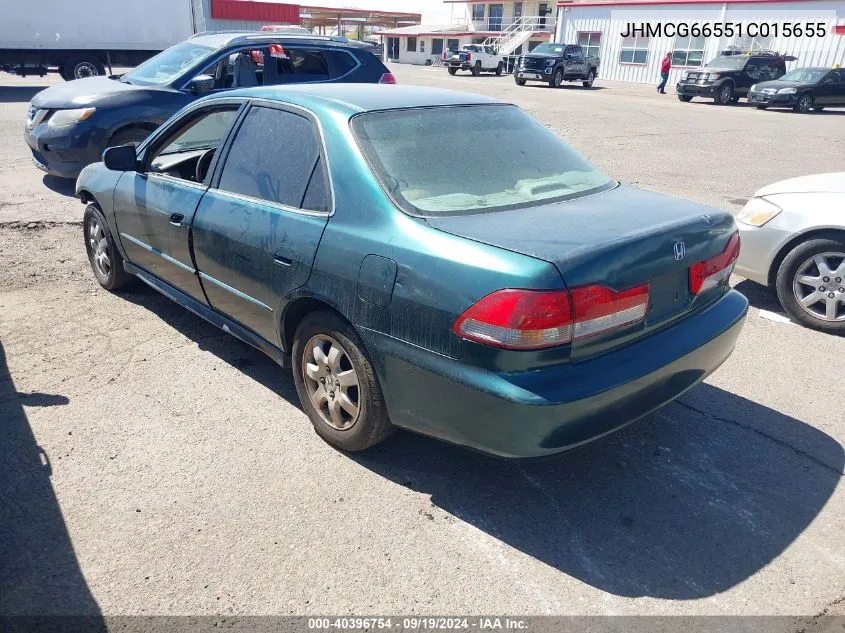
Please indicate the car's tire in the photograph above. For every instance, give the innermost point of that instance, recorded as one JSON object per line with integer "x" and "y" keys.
{"x": 591, "y": 77}
{"x": 762, "y": 107}
{"x": 83, "y": 66}
{"x": 452, "y": 70}
{"x": 519, "y": 82}
{"x": 725, "y": 94}
{"x": 684, "y": 98}
{"x": 804, "y": 103}
{"x": 499, "y": 68}
{"x": 557, "y": 79}
{"x": 341, "y": 354}
{"x": 476, "y": 69}
{"x": 818, "y": 108}
{"x": 103, "y": 255}
{"x": 131, "y": 136}
{"x": 801, "y": 263}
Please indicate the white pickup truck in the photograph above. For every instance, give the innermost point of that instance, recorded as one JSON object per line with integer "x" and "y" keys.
{"x": 476, "y": 58}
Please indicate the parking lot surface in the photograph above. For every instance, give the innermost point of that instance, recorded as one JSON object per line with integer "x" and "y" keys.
{"x": 152, "y": 464}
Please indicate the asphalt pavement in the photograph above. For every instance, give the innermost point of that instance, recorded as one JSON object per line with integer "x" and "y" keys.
{"x": 151, "y": 464}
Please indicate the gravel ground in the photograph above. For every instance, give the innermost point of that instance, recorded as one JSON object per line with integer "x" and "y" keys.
{"x": 151, "y": 464}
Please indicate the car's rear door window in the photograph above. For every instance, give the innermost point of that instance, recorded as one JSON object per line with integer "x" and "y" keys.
{"x": 469, "y": 159}
{"x": 275, "y": 156}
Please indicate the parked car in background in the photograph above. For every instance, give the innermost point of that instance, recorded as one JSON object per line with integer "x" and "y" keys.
{"x": 475, "y": 58}
{"x": 84, "y": 37}
{"x": 321, "y": 224}
{"x": 556, "y": 63}
{"x": 69, "y": 125}
{"x": 802, "y": 89}
{"x": 793, "y": 239}
{"x": 728, "y": 78}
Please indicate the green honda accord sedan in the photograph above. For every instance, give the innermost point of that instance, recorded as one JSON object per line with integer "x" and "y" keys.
{"x": 424, "y": 259}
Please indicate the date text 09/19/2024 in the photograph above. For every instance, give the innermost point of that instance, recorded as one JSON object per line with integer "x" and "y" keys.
{"x": 725, "y": 29}
{"x": 416, "y": 623}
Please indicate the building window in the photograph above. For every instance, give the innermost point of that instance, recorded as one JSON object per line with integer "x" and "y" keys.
{"x": 688, "y": 51}
{"x": 517, "y": 10}
{"x": 477, "y": 12}
{"x": 634, "y": 50}
{"x": 532, "y": 44}
{"x": 437, "y": 47}
{"x": 478, "y": 40}
{"x": 412, "y": 45}
{"x": 422, "y": 46}
{"x": 452, "y": 45}
{"x": 590, "y": 42}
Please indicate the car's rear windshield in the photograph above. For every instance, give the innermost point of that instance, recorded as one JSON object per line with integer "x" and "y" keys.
{"x": 730, "y": 62}
{"x": 453, "y": 160}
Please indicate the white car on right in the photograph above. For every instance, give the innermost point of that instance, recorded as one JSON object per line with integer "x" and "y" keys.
{"x": 793, "y": 239}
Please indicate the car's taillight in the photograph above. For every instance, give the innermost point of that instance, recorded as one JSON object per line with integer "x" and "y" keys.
{"x": 599, "y": 309}
{"x": 469, "y": 57}
{"x": 711, "y": 272}
{"x": 534, "y": 319}
{"x": 518, "y": 319}
{"x": 387, "y": 78}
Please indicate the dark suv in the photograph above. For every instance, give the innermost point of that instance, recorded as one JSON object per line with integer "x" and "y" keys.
{"x": 69, "y": 125}
{"x": 729, "y": 77}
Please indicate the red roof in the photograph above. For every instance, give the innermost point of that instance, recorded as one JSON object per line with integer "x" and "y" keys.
{"x": 256, "y": 11}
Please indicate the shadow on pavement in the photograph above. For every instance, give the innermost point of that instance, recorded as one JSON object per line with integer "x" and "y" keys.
{"x": 685, "y": 504}
{"x": 760, "y": 296}
{"x": 19, "y": 94}
{"x": 63, "y": 186}
{"x": 39, "y": 573}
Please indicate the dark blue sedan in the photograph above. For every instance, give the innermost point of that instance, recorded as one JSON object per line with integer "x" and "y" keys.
{"x": 424, "y": 259}
{"x": 69, "y": 125}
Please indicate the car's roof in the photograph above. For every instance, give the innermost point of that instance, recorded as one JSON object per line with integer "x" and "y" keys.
{"x": 355, "y": 98}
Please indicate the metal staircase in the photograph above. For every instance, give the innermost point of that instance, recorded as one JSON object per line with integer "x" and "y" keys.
{"x": 518, "y": 32}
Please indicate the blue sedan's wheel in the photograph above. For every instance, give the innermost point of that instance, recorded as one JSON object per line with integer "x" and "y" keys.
{"x": 337, "y": 385}
{"x": 103, "y": 255}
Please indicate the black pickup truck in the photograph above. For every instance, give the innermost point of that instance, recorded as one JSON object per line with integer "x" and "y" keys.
{"x": 556, "y": 63}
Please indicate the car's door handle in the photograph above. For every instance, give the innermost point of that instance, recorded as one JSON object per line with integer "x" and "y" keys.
{"x": 176, "y": 219}
{"x": 284, "y": 257}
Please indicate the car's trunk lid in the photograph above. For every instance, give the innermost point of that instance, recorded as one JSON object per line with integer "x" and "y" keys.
{"x": 620, "y": 238}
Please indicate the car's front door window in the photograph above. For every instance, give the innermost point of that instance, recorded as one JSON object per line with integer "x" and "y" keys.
{"x": 188, "y": 152}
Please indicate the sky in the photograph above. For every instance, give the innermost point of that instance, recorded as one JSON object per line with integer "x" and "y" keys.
{"x": 433, "y": 11}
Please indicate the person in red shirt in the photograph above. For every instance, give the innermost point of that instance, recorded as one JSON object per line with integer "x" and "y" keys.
{"x": 665, "y": 67}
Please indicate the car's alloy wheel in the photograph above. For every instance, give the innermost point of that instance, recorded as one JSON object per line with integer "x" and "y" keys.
{"x": 804, "y": 103}
{"x": 337, "y": 384}
{"x": 725, "y": 95}
{"x": 98, "y": 247}
{"x": 557, "y": 79}
{"x": 331, "y": 382}
{"x": 591, "y": 77}
{"x": 103, "y": 255}
{"x": 819, "y": 286}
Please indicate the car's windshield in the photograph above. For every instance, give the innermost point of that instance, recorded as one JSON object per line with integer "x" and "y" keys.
{"x": 548, "y": 49}
{"x": 467, "y": 159}
{"x": 169, "y": 64}
{"x": 809, "y": 75}
{"x": 731, "y": 62}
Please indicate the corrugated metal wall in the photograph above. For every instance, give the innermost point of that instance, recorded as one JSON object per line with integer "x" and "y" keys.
{"x": 612, "y": 21}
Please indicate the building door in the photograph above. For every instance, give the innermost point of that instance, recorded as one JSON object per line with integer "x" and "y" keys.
{"x": 392, "y": 48}
{"x": 494, "y": 17}
{"x": 452, "y": 45}
{"x": 437, "y": 46}
{"x": 543, "y": 11}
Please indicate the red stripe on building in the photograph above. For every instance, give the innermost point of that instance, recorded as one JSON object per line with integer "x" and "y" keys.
{"x": 255, "y": 11}
{"x": 629, "y": 3}
{"x": 839, "y": 29}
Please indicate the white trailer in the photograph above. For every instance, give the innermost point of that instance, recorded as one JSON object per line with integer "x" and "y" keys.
{"x": 81, "y": 38}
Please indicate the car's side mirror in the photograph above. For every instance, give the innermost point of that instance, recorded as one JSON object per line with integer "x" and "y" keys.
{"x": 121, "y": 158}
{"x": 202, "y": 83}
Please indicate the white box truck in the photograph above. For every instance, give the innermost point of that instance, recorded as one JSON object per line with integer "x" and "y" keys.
{"x": 81, "y": 38}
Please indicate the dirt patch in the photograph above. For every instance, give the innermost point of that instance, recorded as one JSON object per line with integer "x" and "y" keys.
{"x": 43, "y": 254}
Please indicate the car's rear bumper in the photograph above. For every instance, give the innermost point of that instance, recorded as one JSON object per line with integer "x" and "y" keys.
{"x": 543, "y": 412}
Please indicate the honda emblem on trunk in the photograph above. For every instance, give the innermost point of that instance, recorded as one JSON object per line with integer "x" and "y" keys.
{"x": 680, "y": 250}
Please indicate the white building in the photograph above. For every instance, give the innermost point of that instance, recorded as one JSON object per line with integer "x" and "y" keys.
{"x": 603, "y": 24}
{"x": 512, "y": 27}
